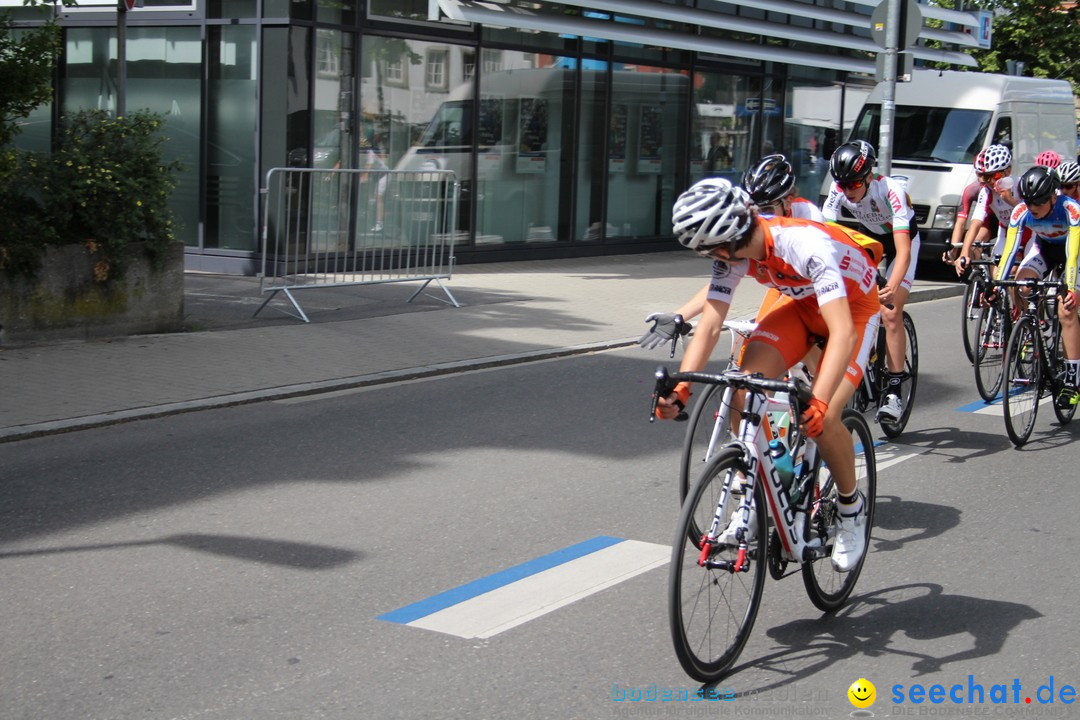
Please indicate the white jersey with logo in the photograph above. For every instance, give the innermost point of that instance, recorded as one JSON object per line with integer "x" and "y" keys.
{"x": 883, "y": 210}
{"x": 802, "y": 261}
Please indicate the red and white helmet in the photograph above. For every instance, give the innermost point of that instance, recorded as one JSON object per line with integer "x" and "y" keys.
{"x": 993, "y": 158}
{"x": 1048, "y": 158}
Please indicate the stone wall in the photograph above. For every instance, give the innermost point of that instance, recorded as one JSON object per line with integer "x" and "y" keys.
{"x": 64, "y": 302}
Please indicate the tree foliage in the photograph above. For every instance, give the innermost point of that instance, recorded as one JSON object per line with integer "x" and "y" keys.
{"x": 26, "y": 66}
{"x": 1042, "y": 34}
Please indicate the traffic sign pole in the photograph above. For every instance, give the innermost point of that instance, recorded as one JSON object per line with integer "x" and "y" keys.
{"x": 888, "y": 97}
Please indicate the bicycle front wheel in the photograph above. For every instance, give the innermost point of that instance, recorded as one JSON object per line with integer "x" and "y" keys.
{"x": 828, "y": 588}
{"x": 1022, "y": 380}
{"x": 1064, "y": 415}
{"x": 706, "y": 433}
{"x": 893, "y": 428}
{"x": 990, "y": 352}
{"x": 712, "y": 609}
{"x": 969, "y": 317}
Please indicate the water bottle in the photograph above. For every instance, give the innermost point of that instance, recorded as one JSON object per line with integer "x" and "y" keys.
{"x": 782, "y": 460}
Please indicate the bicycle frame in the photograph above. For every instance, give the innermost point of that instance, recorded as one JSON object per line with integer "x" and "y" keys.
{"x": 1047, "y": 294}
{"x": 755, "y": 433}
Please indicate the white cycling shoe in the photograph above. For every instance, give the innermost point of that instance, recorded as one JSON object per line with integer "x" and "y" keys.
{"x": 729, "y": 537}
{"x": 850, "y": 542}
{"x": 891, "y": 408}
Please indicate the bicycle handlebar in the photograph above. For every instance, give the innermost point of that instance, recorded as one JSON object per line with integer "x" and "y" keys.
{"x": 1031, "y": 283}
{"x": 666, "y": 381}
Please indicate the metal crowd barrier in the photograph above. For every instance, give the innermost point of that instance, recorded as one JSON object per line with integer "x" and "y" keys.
{"x": 331, "y": 228}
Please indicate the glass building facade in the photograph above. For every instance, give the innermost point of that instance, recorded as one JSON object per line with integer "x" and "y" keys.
{"x": 571, "y": 128}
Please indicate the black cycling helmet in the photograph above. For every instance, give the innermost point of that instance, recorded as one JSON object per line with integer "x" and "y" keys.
{"x": 1038, "y": 185}
{"x": 852, "y": 161}
{"x": 770, "y": 180}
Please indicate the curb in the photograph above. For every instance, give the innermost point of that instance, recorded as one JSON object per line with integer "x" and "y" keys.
{"x": 86, "y": 422}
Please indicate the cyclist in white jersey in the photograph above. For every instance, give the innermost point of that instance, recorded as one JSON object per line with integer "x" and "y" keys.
{"x": 770, "y": 183}
{"x": 993, "y": 168}
{"x": 884, "y": 212}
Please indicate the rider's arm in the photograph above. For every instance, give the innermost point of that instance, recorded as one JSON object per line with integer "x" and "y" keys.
{"x": 1072, "y": 253}
{"x": 901, "y": 234}
{"x": 697, "y": 354}
{"x": 693, "y": 307}
{"x": 1008, "y": 255}
{"x": 830, "y": 209}
{"x": 978, "y": 219}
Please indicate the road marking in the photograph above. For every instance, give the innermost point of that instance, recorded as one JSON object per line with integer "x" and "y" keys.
{"x": 506, "y": 599}
{"x": 994, "y": 408}
{"x": 888, "y": 454}
{"x": 501, "y": 601}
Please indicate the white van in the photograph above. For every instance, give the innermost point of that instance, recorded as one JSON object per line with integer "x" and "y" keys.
{"x": 521, "y": 151}
{"x": 942, "y": 121}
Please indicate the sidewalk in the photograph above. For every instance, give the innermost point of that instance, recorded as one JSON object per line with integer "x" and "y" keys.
{"x": 510, "y": 312}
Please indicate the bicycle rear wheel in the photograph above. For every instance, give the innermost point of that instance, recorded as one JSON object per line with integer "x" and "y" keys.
{"x": 1022, "y": 380}
{"x": 969, "y": 317}
{"x": 893, "y": 428}
{"x": 706, "y": 434}
{"x": 827, "y": 588}
{"x": 712, "y": 609}
{"x": 990, "y": 351}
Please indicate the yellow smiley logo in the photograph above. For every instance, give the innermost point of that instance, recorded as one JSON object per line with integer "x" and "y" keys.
{"x": 862, "y": 693}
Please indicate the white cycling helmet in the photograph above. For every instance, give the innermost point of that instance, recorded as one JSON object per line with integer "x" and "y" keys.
{"x": 993, "y": 158}
{"x": 711, "y": 214}
{"x": 1068, "y": 173}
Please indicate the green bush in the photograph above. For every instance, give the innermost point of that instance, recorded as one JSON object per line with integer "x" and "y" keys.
{"x": 106, "y": 186}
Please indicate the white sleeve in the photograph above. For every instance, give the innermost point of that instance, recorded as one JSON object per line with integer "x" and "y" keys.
{"x": 725, "y": 279}
{"x": 831, "y": 209}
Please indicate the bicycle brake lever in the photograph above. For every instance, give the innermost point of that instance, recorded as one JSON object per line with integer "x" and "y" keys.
{"x": 664, "y": 387}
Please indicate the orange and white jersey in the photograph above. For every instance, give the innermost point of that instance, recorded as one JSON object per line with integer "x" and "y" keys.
{"x": 805, "y": 261}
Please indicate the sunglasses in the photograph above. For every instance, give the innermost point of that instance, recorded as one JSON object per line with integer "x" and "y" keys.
{"x": 1069, "y": 186}
{"x": 851, "y": 185}
{"x": 991, "y": 177}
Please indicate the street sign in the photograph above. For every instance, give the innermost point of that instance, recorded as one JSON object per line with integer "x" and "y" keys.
{"x": 910, "y": 23}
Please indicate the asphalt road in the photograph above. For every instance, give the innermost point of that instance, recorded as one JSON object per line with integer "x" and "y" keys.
{"x": 235, "y": 563}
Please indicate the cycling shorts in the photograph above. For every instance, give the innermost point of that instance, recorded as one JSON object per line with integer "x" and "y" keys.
{"x": 1042, "y": 257}
{"x": 794, "y": 326}
{"x": 886, "y": 240}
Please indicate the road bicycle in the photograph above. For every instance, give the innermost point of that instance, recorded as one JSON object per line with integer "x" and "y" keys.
{"x": 715, "y": 588}
{"x": 875, "y": 382}
{"x": 1034, "y": 365}
{"x": 991, "y": 333}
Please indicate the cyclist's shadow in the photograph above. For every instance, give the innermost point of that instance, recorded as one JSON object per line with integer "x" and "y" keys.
{"x": 919, "y": 520}
{"x": 869, "y": 623}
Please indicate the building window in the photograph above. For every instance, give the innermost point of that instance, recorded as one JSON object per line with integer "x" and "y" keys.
{"x": 328, "y": 52}
{"x": 491, "y": 60}
{"x": 395, "y": 73}
{"x": 437, "y": 74}
{"x": 468, "y": 64}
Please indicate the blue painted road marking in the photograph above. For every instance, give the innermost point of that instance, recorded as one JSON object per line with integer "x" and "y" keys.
{"x": 508, "y": 598}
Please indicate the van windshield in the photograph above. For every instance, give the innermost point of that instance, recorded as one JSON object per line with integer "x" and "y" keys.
{"x": 933, "y": 134}
{"x": 451, "y": 126}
